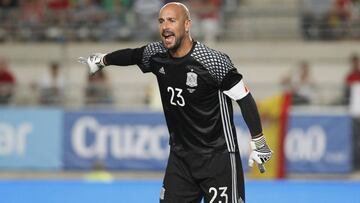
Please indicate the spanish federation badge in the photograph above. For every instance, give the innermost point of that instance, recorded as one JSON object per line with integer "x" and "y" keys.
{"x": 191, "y": 79}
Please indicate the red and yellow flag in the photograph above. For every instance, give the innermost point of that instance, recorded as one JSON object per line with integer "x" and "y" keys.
{"x": 274, "y": 115}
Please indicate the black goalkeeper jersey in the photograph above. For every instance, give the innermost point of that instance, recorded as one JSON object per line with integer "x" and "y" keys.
{"x": 198, "y": 114}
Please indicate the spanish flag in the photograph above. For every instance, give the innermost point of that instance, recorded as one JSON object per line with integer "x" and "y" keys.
{"x": 274, "y": 116}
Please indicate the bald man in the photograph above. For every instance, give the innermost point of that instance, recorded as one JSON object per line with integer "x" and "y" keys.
{"x": 197, "y": 85}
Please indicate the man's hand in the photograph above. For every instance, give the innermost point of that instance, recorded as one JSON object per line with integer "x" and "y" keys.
{"x": 260, "y": 152}
{"x": 95, "y": 62}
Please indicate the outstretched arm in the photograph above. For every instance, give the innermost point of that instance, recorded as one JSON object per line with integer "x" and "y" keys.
{"x": 122, "y": 57}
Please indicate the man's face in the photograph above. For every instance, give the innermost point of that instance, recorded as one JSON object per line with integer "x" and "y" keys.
{"x": 172, "y": 26}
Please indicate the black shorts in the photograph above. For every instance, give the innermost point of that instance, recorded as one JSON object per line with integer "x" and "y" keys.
{"x": 216, "y": 177}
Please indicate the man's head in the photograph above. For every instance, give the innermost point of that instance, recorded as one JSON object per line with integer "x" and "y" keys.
{"x": 355, "y": 63}
{"x": 174, "y": 25}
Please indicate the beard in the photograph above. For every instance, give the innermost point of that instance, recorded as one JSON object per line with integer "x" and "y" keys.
{"x": 176, "y": 45}
{"x": 173, "y": 47}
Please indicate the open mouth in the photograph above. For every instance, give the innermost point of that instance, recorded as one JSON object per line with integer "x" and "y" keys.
{"x": 168, "y": 36}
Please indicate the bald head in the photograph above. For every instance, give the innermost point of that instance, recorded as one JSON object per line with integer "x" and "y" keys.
{"x": 174, "y": 28}
{"x": 179, "y": 8}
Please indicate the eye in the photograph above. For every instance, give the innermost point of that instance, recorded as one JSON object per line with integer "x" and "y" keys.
{"x": 161, "y": 21}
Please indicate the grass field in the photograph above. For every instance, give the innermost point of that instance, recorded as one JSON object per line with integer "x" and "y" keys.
{"x": 147, "y": 191}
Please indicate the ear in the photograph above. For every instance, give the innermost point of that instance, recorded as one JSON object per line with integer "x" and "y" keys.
{"x": 187, "y": 26}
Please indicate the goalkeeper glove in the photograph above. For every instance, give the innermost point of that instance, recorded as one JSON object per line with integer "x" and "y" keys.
{"x": 95, "y": 62}
{"x": 260, "y": 151}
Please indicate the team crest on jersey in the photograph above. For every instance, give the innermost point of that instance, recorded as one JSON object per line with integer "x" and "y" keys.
{"x": 191, "y": 79}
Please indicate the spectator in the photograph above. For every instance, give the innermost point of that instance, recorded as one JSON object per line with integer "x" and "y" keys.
{"x": 339, "y": 18}
{"x": 57, "y": 18}
{"x": 52, "y": 86}
{"x": 86, "y": 16}
{"x": 315, "y": 17}
{"x": 7, "y": 15}
{"x": 145, "y": 12}
{"x": 118, "y": 20}
{"x": 342, "y": 9}
{"x": 7, "y": 83}
{"x": 57, "y": 9}
{"x": 98, "y": 90}
{"x": 300, "y": 84}
{"x": 32, "y": 19}
{"x": 208, "y": 13}
{"x": 355, "y": 19}
{"x": 352, "y": 77}
{"x": 330, "y": 19}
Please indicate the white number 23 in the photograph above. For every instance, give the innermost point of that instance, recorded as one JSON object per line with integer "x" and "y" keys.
{"x": 222, "y": 194}
{"x": 176, "y": 97}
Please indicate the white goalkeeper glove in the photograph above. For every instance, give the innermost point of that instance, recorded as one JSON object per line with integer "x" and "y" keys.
{"x": 260, "y": 152}
{"x": 95, "y": 62}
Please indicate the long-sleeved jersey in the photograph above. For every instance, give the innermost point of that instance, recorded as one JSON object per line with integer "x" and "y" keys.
{"x": 196, "y": 92}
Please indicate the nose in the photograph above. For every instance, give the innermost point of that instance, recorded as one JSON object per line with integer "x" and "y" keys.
{"x": 164, "y": 25}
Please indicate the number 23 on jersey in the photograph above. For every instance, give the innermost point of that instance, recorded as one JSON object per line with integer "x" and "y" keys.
{"x": 176, "y": 97}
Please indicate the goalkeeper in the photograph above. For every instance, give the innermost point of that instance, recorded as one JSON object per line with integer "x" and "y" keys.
{"x": 197, "y": 85}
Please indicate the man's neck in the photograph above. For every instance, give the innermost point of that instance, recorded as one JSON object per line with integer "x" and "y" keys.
{"x": 184, "y": 49}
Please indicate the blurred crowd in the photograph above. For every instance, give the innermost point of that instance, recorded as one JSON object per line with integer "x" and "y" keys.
{"x": 331, "y": 19}
{"x": 110, "y": 20}
{"x": 302, "y": 85}
{"x": 95, "y": 20}
{"x": 50, "y": 88}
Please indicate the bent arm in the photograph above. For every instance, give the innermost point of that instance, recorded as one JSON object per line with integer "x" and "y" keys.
{"x": 235, "y": 88}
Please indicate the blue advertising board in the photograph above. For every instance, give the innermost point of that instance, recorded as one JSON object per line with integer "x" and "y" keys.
{"x": 319, "y": 143}
{"x": 30, "y": 138}
{"x": 46, "y": 138}
{"x": 120, "y": 140}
